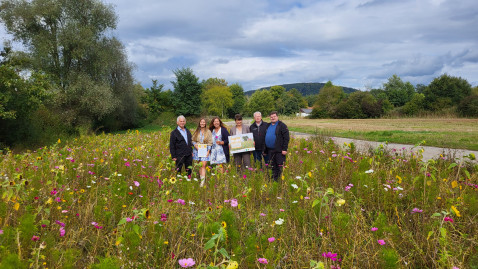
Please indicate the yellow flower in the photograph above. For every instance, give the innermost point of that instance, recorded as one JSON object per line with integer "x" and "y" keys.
{"x": 209, "y": 209}
{"x": 168, "y": 192}
{"x": 457, "y": 213}
{"x": 124, "y": 205}
{"x": 82, "y": 190}
{"x": 172, "y": 180}
{"x": 193, "y": 235}
{"x": 165, "y": 242}
{"x": 399, "y": 179}
{"x": 16, "y": 206}
{"x": 340, "y": 202}
{"x": 59, "y": 141}
{"x": 232, "y": 265}
{"x": 224, "y": 224}
{"x": 454, "y": 184}
{"x": 310, "y": 174}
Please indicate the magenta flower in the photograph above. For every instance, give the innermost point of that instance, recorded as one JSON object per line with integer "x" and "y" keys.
{"x": 127, "y": 164}
{"x": 1, "y": 231}
{"x": 128, "y": 219}
{"x": 35, "y": 238}
{"x": 164, "y": 217}
{"x": 416, "y": 210}
{"x": 271, "y": 239}
{"x": 262, "y": 214}
{"x": 448, "y": 219}
{"x": 244, "y": 176}
{"x": 180, "y": 201}
{"x": 262, "y": 260}
{"x": 62, "y": 231}
{"x": 186, "y": 262}
{"x": 136, "y": 183}
{"x": 60, "y": 223}
{"x": 281, "y": 210}
{"x": 330, "y": 255}
{"x": 374, "y": 229}
{"x": 234, "y": 203}
{"x": 381, "y": 242}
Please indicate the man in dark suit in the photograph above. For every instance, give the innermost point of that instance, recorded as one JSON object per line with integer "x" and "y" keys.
{"x": 276, "y": 144}
{"x": 180, "y": 146}
{"x": 258, "y": 129}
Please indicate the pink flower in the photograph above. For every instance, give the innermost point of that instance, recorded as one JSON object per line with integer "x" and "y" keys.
{"x": 60, "y": 223}
{"x": 1, "y": 231}
{"x": 136, "y": 183}
{"x": 234, "y": 203}
{"x": 448, "y": 219}
{"x": 186, "y": 262}
{"x": 374, "y": 229}
{"x": 416, "y": 210}
{"x": 244, "y": 176}
{"x": 35, "y": 238}
{"x": 129, "y": 219}
{"x": 271, "y": 239}
{"x": 281, "y": 210}
{"x": 381, "y": 242}
{"x": 306, "y": 198}
{"x": 262, "y": 215}
{"x": 127, "y": 164}
{"x": 62, "y": 231}
{"x": 180, "y": 201}
{"x": 164, "y": 217}
{"x": 330, "y": 255}
{"x": 262, "y": 260}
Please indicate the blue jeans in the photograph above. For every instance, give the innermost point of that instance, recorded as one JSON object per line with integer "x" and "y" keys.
{"x": 258, "y": 157}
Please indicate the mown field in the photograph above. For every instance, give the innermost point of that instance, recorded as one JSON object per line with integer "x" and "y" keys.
{"x": 113, "y": 201}
{"x": 456, "y": 133}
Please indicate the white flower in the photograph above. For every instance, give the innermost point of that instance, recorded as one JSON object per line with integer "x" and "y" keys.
{"x": 279, "y": 198}
{"x": 294, "y": 202}
{"x": 195, "y": 179}
{"x": 131, "y": 187}
{"x": 192, "y": 203}
{"x": 369, "y": 171}
{"x": 93, "y": 181}
{"x": 294, "y": 186}
{"x": 279, "y": 221}
{"x": 119, "y": 175}
{"x": 298, "y": 177}
{"x": 400, "y": 188}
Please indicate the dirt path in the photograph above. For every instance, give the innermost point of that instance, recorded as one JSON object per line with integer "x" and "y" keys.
{"x": 428, "y": 153}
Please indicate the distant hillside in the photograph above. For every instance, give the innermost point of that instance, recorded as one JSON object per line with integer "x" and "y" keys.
{"x": 304, "y": 88}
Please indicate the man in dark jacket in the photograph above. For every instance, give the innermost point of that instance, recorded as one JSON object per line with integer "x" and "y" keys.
{"x": 276, "y": 144}
{"x": 180, "y": 146}
{"x": 258, "y": 130}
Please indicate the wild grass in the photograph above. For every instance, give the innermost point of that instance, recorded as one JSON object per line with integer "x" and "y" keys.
{"x": 114, "y": 201}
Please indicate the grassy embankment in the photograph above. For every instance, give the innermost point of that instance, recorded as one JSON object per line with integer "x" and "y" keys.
{"x": 447, "y": 133}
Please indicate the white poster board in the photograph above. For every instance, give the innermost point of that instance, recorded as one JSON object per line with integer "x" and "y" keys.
{"x": 241, "y": 143}
{"x": 202, "y": 150}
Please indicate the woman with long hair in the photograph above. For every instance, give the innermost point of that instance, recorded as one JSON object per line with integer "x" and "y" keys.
{"x": 202, "y": 135}
{"x": 220, "y": 142}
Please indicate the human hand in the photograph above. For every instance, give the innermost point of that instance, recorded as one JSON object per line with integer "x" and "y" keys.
{"x": 174, "y": 159}
{"x": 284, "y": 152}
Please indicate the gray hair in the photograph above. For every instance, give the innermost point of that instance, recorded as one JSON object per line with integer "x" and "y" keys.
{"x": 257, "y": 112}
{"x": 180, "y": 117}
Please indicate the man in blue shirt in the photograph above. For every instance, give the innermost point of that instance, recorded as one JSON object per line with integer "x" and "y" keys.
{"x": 276, "y": 144}
{"x": 180, "y": 146}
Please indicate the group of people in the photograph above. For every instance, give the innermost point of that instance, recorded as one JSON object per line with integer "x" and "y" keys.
{"x": 271, "y": 141}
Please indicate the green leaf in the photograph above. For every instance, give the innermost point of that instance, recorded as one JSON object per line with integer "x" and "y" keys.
{"x": 436, "y": 215}
{"x": 430, "y": 233}
{"x": 136, "y": 229}
{"x": 198, "y": 216}
{"x": 443, "y": 232}
{"x": 224, "y": 253}
{"x": 467, "y": 174}
{"x": 452, "y": 165}
{"x": 122, "y": 221}
{"x": 209, "y": 244}
{"x": 316, "y": 202}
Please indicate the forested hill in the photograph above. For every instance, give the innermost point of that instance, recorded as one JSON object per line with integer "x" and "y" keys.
{"x": 304, "y": 88}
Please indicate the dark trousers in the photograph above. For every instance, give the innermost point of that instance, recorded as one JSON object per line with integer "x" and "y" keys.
{"x": 186, "y": 161}
{"x": 276, "y": 163}
{"x": 258, "y": 157}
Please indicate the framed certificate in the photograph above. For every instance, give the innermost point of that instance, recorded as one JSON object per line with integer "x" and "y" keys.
{"x": 202, "y": 150}
{"x": 241, "y": 143}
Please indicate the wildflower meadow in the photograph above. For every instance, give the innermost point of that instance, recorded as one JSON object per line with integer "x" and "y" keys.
{"x": 115, "y": 201}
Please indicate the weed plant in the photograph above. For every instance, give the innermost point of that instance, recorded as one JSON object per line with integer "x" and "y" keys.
{"x": 115, "y": 201}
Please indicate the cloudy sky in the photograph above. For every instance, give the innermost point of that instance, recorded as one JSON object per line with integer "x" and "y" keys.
{"x": 354, "y": 43}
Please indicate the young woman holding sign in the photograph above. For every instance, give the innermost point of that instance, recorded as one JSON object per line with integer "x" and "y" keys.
{"x": 202, "y": 141}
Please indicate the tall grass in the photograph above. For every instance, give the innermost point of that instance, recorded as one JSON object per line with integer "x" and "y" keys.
{"x": 119, "y": 204}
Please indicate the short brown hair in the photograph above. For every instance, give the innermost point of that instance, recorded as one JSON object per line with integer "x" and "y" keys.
{"x": 274, "y": 112}
{"x": 238, "y": 117}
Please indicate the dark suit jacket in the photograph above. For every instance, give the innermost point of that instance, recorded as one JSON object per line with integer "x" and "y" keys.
{"x": 282, "y": 138}
{"x": 178, "y": 146}
{"x": 259, "y": 134}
